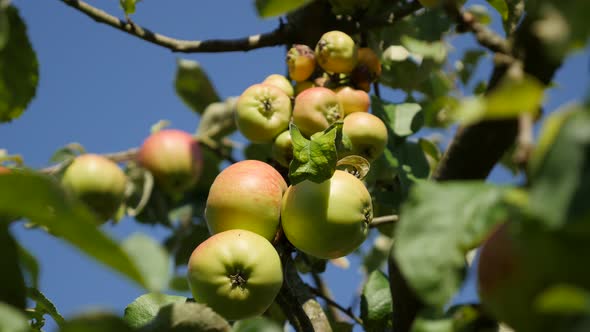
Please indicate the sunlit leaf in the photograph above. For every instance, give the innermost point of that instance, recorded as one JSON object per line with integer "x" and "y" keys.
{"x": 401, "y": 119}
{"x": 12, "y": 319}
{"x": 314, "y": 159}
{"x": 150, "y": 258}
{"x": 145, "y": 308}
{"x": 193, "y": 85}
{"x": 376, "y": 304}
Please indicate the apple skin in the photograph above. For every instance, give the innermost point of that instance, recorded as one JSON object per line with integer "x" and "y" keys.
{"x": 367, "y": 134}
{"x": 302, "y": 86}
{"x": 336, "y": 52}
{"x": 367, "y": 70}
{"x": 330, "y": 219}
{"x": 98, "y": 182}
{"x": 280, "y": 82}
{"x": 300, "y": 62}
{"x": 262, "y": 112}
{"x": 174, "y": 158}
{"x": 282, "y": 149}
{"x": 353, "y": 100}
{"x": 237, "y": 273}
{"x": 316, "y": 109}
{"x": 246, "y": 195}
{"x": 4, "y": 170}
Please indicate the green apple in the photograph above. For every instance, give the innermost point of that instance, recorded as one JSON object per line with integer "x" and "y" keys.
{"x": 336, "y": 52}
{"x": 282, "y": 149}
{"x": 329, "y": 219}
{"x": 237, "y": 273}
{"x": 316, "y": 109}
{"x": 367, "y": 134}
{"x": 280, "y": 82}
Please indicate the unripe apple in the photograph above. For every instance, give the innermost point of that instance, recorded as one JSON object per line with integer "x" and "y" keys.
{"x": 367, "y": 134}
{"x": 367, "y": 70}
{"x": 282, "y": 148}
{"x": 237, "y": 273}
{"x": 302, "y": 86}
{"x": 353, "y": 100}
{"x": 280, "y": 82}
{"x": 98, "y": 182}
{"x": 316, "y": 109}
{"x": 329, "y": 219}
{"x": 174, "y": 159}
{"x": 300, "y": 62}
{"x": 262, "y": 112}
{"x": 336, "y": 52}
{"x": 246, "y": 195}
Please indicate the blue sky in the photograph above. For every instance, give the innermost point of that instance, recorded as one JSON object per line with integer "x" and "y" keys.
{"x": 104, "y": 89}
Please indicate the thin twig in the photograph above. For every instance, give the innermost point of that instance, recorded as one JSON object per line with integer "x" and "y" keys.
{"x": 274, "y": 38}
{"x": 524, "y": 140}
{"x": 321, "y": 286}
{"x": 329, "y": 301}
{"x": 384, "y": 220}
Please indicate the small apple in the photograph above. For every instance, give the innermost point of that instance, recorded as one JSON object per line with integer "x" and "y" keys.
{"x": 353, "y": 100}
{"x": 282, "y": 148}
{"x": 246, "y": 195}
{"x": 262, "y": 112}
{"x": 280, "y": 82}
{"x": 98, "y": 182}
{"x": 174, "y": 159}
{"x": 367, "y": 70}
{"x": 329, "y": 219}
{"x": 336, "y": 52}
{"x": 302, "y": 86}
{"x": 237, "y": 273}
{"x": 300, "y": 62}
{"x": 367, "y": 134}
{"x": 316, "y": 109}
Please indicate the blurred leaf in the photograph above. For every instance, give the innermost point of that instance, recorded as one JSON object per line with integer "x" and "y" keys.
{"x": 377, "y": 255}
{"x": 401, "y": 119}
{"x": 30, "y": 266}
{"x": 432, "y": 324}
{"x": 563, "y": 299}
{"x": 376, "y": 304}
{"x": 40, "y": 199}
{"x": 12, "y": 283}
{"x": 217, "y": 120}
{"x": 4, "y": 26}
{"x": 257, "y": 324}
{"x": 501, "y": 7}
{"x": 431, "y": 152}
{"x": 187, "y": 317}
{"x": 193, "y": 85}
{"x": 96, "y": 322}
{"x": 179, "y": 283}
{"x": 314, "y": 159}
{"x": 306, "y": 263}
{"x": 43, "y": 305}
{"x": 480, "y": 13}
{"x": 469, "y": 63}
{"x": 439, "y": 224}
{"x": 12, "y": 319}
{"x": 144, "y": 309}
{"x": 128, "y": 6}
{"x": 270, "y": 8}
{"x": 410, "y": 163}
{"x": 258, "y": 151}
{"x": 158, "y": 126}
{"x": 68, "y": 152}
{"x": 185, "y": 241}
{"x": 19, "y": 69}
{"x": 150, "y": 258}
{"x": 435, "y": 50}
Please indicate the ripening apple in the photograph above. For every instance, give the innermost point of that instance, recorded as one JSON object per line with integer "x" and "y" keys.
{"x": 246, "y": 195}
{"x": 282, "y": 148}
{"x": 237, "y": 273}
{"x": 367, "y": 134}
{"x": 173, "y": 157}
{"x": 367, "y": 70}
{"x": 4, "y": 170}
{"x": 353, "y": 100}
{"x": 329, "y": 219}
{"x": 316, "y": 109}
{"x": 300, "y": 62}
{"x": 262, "y": 112}
{"x": 336, "y": 52}
{"x": 302, "y": 86}
{"x": 280, "y": 82}
{"x": 98, "y": 182}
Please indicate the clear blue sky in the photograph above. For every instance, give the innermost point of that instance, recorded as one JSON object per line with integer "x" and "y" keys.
{"x": 104, "y": 89}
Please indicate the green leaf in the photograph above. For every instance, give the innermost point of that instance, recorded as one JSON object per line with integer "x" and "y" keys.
{"x": 258, "y": 151}
{"x": 376, "y": 304}
{"x": 409, "y": 162}
{"x": 217, "y": 120}
{"x": 150, "y": 258}
{"x": 401, "y": 119}
{"x": 12, "y": 283}
{"x": 12, "y": 319}
{"x": 314, "y": 159}
{"x": 563, "y": 299}
{"x": 436, "y": 50}
{"x": 185, "y": 242}
{"x": 42, "y": 200}
{"x": 30, "y": 266}
{"x": 44, "y": 305}
{"x": 377, "y": 255}
{"x": 144, "y": 309}
{"x": 439, "y": 224}
{"x": 96, "y": 322}
{"x": 128, "y": 6}
{"x": 270, "y": 8}
{"x": 469, "y": 63}
{"x": 257, "y": 324}
{"x": 501, "y": 7}
{"x": 185, "y": 317}
{"x": 19, "y": 69}
{"x": 193, "y": 85}
{"x": 68, "y": 152}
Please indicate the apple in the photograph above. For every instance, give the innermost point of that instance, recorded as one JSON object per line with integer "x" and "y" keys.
{"x": 300, "y": 62}
{"x": 316, "y": 109}
{"x": 237, "y": 273}
{"x": 246, "y": 195}
{"x": 367, "y": 134}
{"x": 282, "y": 149}
{"x": 280, "y": 82}
{"x": 367, "y": 70}
{"x": 173, "y": 157}
{"x": 353, "y": 100}
{"x": 302, "y": 86}
{"x": 4, "y": 170}
{"x": 329, "y": 219}
{"x": 336, "y": 52}
{"x": 262, "y": 112}
{"x": 98, "y": 182}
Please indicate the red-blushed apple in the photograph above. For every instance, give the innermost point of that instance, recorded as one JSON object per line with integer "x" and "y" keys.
{"x": 336, "y": 52}
{"x": 316, "y": 109}
{"x": 4, "y": 170}
{"x": 329, "y": 219}
{"x": 282, "y": 148}
{"x": 300, "y": 62}
{"x": 262, "y": 112}
{"x": 246, "y": 195}
{"x": 280, "y": 82}
{"x": 367, "y": 70}
{"x": 353, "y": 100}
{"x": 367, "y": 134}
{"x": 237, "y": 273}
{"x": 173, "y": 157}
{"x": 98, "y": 182}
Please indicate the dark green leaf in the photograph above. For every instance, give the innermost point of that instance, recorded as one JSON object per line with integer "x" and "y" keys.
{"x": 42, "y": 200}
{"x": 43, "y": 305}
{"x": 563, "y": 299}
{"x": 439, "y": 224}
{"x": 187, "y": 317}
{"x": 501, "y": 7}
{"x": 193, "y": 85}
{"x": 144, "y": 309}
{"x": 96, "y": 322}
{"x": 12, "y": 283}
{"x": 314, "y": 159}
{"x": 68, "y": 152}
{"x": 258, "y": 151}
{"x": 469, "y": 63}
{"x": 150, "y": 258}
{"x": 410, "y": 163}
{"x": 179, "y": 283}
{"x": 270, "y": 8}
{"x": 257, "y": 324}
{"x": 19, "y": 69}
{"x": 186, "y": 241}
{"x": 376, "y": 305}
{"x": 29, "y": 265}
{"x": 12, "y": 319}
{"x": 401, "y": 119}
{"x": 377, "y": 255}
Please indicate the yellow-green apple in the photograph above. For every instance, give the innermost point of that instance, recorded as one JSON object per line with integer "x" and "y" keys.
{"x": 367, "y": 134}
{"x": 336, "y": 52}
{"x": 316, "y": 109}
